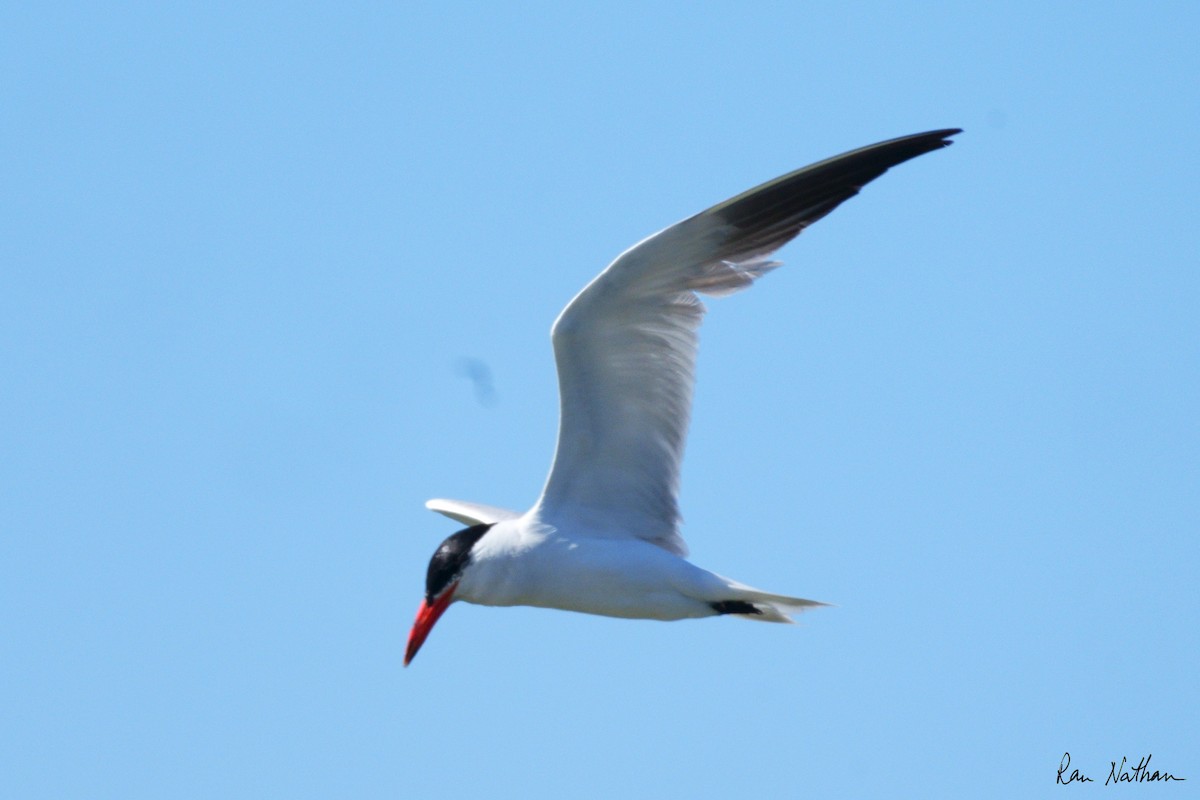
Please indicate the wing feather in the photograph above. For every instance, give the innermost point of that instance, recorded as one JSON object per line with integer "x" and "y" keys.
{"x": 470, "y": 513}
{"x": 626, "y": 345}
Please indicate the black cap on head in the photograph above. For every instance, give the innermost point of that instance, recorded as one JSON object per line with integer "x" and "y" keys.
{"x": 451, "y": 559}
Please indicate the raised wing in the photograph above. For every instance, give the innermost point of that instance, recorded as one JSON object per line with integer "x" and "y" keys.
{"x": 626, "y": 345}
{"x": 470, "y": 513}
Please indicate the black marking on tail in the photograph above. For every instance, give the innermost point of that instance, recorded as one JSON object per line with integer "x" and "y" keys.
{"x": 735, "y": 607}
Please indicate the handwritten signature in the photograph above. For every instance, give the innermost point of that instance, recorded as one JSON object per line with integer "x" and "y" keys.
{"x": 1121, "y": 773}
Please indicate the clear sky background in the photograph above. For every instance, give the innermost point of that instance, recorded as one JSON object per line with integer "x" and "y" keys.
{"x": 251, "y": 253}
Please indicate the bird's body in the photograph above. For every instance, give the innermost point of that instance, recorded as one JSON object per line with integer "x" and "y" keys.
{"x": 604, "y": 538}
{"x": 528, "y": 562}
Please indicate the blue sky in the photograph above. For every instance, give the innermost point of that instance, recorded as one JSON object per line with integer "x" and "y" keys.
{"x": 246, "y": 249}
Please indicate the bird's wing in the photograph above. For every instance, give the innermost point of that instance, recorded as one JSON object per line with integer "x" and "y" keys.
{"x": 470, "y": 513}
{"x": 626, "y": 345}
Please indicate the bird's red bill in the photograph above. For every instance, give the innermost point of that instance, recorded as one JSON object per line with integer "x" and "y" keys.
{"x": 427, "y": 615}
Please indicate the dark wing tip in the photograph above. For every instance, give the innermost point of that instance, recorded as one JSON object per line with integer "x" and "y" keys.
{"x": 943, "y": 133}
{"x": 774, "y": 212}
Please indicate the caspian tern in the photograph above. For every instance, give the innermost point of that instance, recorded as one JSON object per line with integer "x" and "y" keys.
{"x": 603, "y": 538}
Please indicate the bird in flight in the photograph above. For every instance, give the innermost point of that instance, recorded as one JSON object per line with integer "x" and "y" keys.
{"x": 604, "y": 538}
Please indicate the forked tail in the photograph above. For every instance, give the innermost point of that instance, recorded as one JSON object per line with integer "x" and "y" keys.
{"x": 750, "y": 603}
